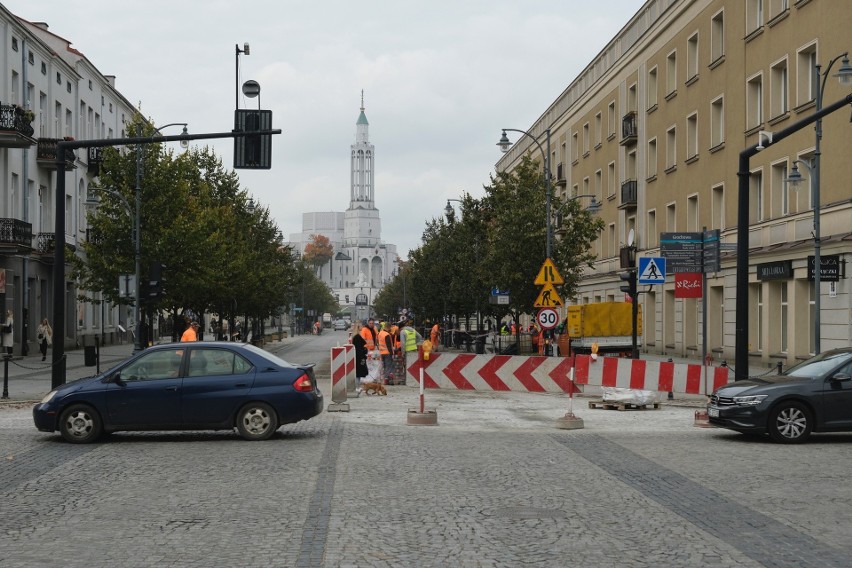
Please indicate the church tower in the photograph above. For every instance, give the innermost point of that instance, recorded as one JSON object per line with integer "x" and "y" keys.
{"x": 362, "y": 227}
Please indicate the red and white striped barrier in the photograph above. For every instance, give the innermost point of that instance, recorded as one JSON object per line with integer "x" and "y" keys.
{"x": 350, "y": 367}
{"x": 338, "y": 374}
{"x": 550, "y": 374}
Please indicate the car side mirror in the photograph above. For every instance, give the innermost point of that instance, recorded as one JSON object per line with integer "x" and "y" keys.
{"x": 840, "y": 377}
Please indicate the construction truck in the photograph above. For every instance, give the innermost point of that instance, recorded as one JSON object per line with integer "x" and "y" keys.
{"x": 605, "y": 327}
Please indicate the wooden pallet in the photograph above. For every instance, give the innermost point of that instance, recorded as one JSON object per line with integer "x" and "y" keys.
{"x": 609, "y": 405}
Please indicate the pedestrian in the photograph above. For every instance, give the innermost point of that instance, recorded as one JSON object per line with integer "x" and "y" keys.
{"x": 191, "y": 333}
{"x": 435, "y": 336}
{"x": 360, "y": 355}
{"x": 368, "y": 332}
{"x": 386, "y": 352}
{"x": 44, "y": 334}
{"x": 8, "y": 336}
{"x": 410, "y": 339}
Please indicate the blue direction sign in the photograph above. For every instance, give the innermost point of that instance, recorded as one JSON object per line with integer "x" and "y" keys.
{"x": 652, "y": 270}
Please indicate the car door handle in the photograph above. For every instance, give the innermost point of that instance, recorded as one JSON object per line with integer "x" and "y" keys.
{"x": 241, "y": 385}
{"x": 171, "y": 388}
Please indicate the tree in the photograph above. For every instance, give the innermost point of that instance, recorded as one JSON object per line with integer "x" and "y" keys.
{"x": 318, "y": 251}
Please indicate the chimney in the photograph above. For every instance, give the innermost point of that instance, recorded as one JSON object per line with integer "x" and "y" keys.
{"x": 42, "y": 25}
{"x": 110, "y": 79}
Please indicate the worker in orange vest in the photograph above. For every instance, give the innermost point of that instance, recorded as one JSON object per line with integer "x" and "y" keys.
{"x": 368, "y": 332}
{"x": 386, "y": 351}
{"x": 435, "y": 336}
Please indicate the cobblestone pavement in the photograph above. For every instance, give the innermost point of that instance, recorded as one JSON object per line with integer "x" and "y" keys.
{"x": 494, "y": 484}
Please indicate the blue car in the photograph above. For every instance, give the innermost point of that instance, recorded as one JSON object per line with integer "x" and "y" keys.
{"x": 185, "y": 386}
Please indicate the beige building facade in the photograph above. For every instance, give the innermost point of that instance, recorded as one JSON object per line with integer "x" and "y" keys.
{"x": 654, "y": 127}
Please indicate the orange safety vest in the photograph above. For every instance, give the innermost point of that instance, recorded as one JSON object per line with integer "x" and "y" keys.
{"x": 367, "y": 334}
{"x": 383, "y": 342}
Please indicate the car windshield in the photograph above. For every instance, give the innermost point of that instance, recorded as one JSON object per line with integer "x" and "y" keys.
{"x": 820, "y": 365}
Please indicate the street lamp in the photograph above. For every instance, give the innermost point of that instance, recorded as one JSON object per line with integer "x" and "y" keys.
{"x": 505, "y": 144}
{"x": 448, "y": 210}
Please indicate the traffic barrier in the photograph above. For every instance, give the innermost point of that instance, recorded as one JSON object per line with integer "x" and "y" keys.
{"x": 338, "y": 380}
{"x": 550, "y": 374}
{"x": 350, "y": 367}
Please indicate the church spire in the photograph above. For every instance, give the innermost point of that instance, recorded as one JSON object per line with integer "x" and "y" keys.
{"x": 362, "y": 163}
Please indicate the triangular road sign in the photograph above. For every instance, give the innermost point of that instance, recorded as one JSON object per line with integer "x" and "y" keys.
{"x": 548, "y": 275}
{"x": 652, "y": 270}
{"x": 548, "y": 298}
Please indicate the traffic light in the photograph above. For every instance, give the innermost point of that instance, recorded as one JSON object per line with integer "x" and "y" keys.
{"x": 155, "y": 280}
{"x": 630, "y": 288}
{"x": 253, "y": 151}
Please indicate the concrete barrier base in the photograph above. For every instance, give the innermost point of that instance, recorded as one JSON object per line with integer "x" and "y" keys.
{"x": 338, "y": 407}
{"x": 569, "y": 422}
{"x": 425, "y": 418}
{"x": 702, "y": 420}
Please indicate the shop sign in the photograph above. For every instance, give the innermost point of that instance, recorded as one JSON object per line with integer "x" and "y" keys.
{"x": 780, "y": 270}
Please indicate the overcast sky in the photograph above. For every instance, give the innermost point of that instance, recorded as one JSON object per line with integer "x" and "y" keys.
{"x": 440, "y": 79}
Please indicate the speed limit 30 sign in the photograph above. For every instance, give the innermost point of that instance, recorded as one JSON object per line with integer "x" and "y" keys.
{"x": 547, "y": 318}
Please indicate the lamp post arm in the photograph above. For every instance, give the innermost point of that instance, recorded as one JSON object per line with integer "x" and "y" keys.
{"x": 531, "y": 137}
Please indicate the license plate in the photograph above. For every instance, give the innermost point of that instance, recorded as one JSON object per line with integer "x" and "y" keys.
{"x": 713, "y": 412}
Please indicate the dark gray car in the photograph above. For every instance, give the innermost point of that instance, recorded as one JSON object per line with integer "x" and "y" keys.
{"x": 813, "y": 396}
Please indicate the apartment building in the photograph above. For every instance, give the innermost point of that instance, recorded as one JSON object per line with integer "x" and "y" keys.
{"x": 49, "y": 91}
{"x": 654, "y": 127}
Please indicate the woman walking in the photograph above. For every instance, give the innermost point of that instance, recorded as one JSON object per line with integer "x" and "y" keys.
{"x": 45, "y": 337}
{"x": 360, "y": 355}
{"x": 8, "y": 336}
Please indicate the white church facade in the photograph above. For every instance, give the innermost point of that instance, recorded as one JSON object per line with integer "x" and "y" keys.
{"x": 361, "y": 262}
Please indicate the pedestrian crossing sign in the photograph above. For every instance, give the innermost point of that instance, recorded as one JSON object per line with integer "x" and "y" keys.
{"x": 652, "y": 270}
{"x": 548, "y": 298}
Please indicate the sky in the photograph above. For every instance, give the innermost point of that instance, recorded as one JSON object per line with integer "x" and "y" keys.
{"x": 440, "y": 81}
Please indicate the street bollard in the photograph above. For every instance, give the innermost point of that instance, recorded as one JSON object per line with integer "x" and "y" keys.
{"x": 6, "y": 358}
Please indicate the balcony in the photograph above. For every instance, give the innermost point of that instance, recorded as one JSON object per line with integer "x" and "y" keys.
{"x": 629, "y": 193}
{"x": 16, "y": 130}
{"x": 46, "y": 154}
{"x": 16, "y": 236}
{"x": 629, "y": 129}
{"x": 560, "y": 176}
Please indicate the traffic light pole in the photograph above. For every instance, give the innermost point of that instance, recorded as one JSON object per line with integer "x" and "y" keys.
{"x": 631, "y": 288}
{"x": 57, "y": 376}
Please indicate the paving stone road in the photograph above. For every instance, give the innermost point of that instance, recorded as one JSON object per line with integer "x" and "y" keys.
{"x": 493, "y": 484}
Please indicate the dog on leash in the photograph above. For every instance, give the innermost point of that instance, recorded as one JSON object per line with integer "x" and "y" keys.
{"x": 374, "y": 388}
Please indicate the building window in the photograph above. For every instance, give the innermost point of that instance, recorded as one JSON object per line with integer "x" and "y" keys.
{"x": 585, "y": 139}
{"x": 805, "y": 81}
{"x": 612, "y": 120}
{"x": 611, "y": 179}
{"x": 652, "y": 158}
{"x": 43, "y": 68}
{"x": 755, "y": 189}
{"x": 691, "y": 136}
{"x": 778, "y": 89}
{"x": 754, "y": 102}
{"x": 575, "y": 147}
{"x": 692, "y": 57}
{"x": 631, "y": 98}
{"x": 598, "y": 130}
{"x": 717, "y": 36}
{"x": 598, "y": 184}
{"x": 90, "y": 84}
{"x": 717, "y": 122}
{"x": 778, "y": 7}
{"x": 780, "y": 201}
{"x": 754, "y": 15}
{"x": 58, "y": 78}
{"x": 671, "y": 147}
{"x": 692, "y": 213}
{"x": 612, "y": 245}
{"x": 718, "y": 207}
{"x": 671, "y": 73}
{"x": 652, "y": 238}
{"x": 68, "y": 86}
{"x": 630, "y": 165}
{"x": 651, "y": 93}
{"x": 671, "y": 218}
{"x": 31, "y": 58}
{"x": 14, "y": 44}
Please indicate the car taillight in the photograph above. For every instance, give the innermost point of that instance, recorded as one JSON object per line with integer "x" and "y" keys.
{"x": 304, "y": 384}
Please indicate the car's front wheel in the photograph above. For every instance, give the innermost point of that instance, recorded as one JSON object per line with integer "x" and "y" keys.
{"x": 80, "y": 424}
{"x": 257, "y": 421}
{"x": 790, "y": 423}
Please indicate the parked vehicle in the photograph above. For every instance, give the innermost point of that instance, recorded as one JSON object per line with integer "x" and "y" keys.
{"x": 340, "y": 325}
{"x": 197, "y": 386}
{"x": 326, "y": 320}
{"x": 607, "y": 324}
{"x": 813, "y": 396}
